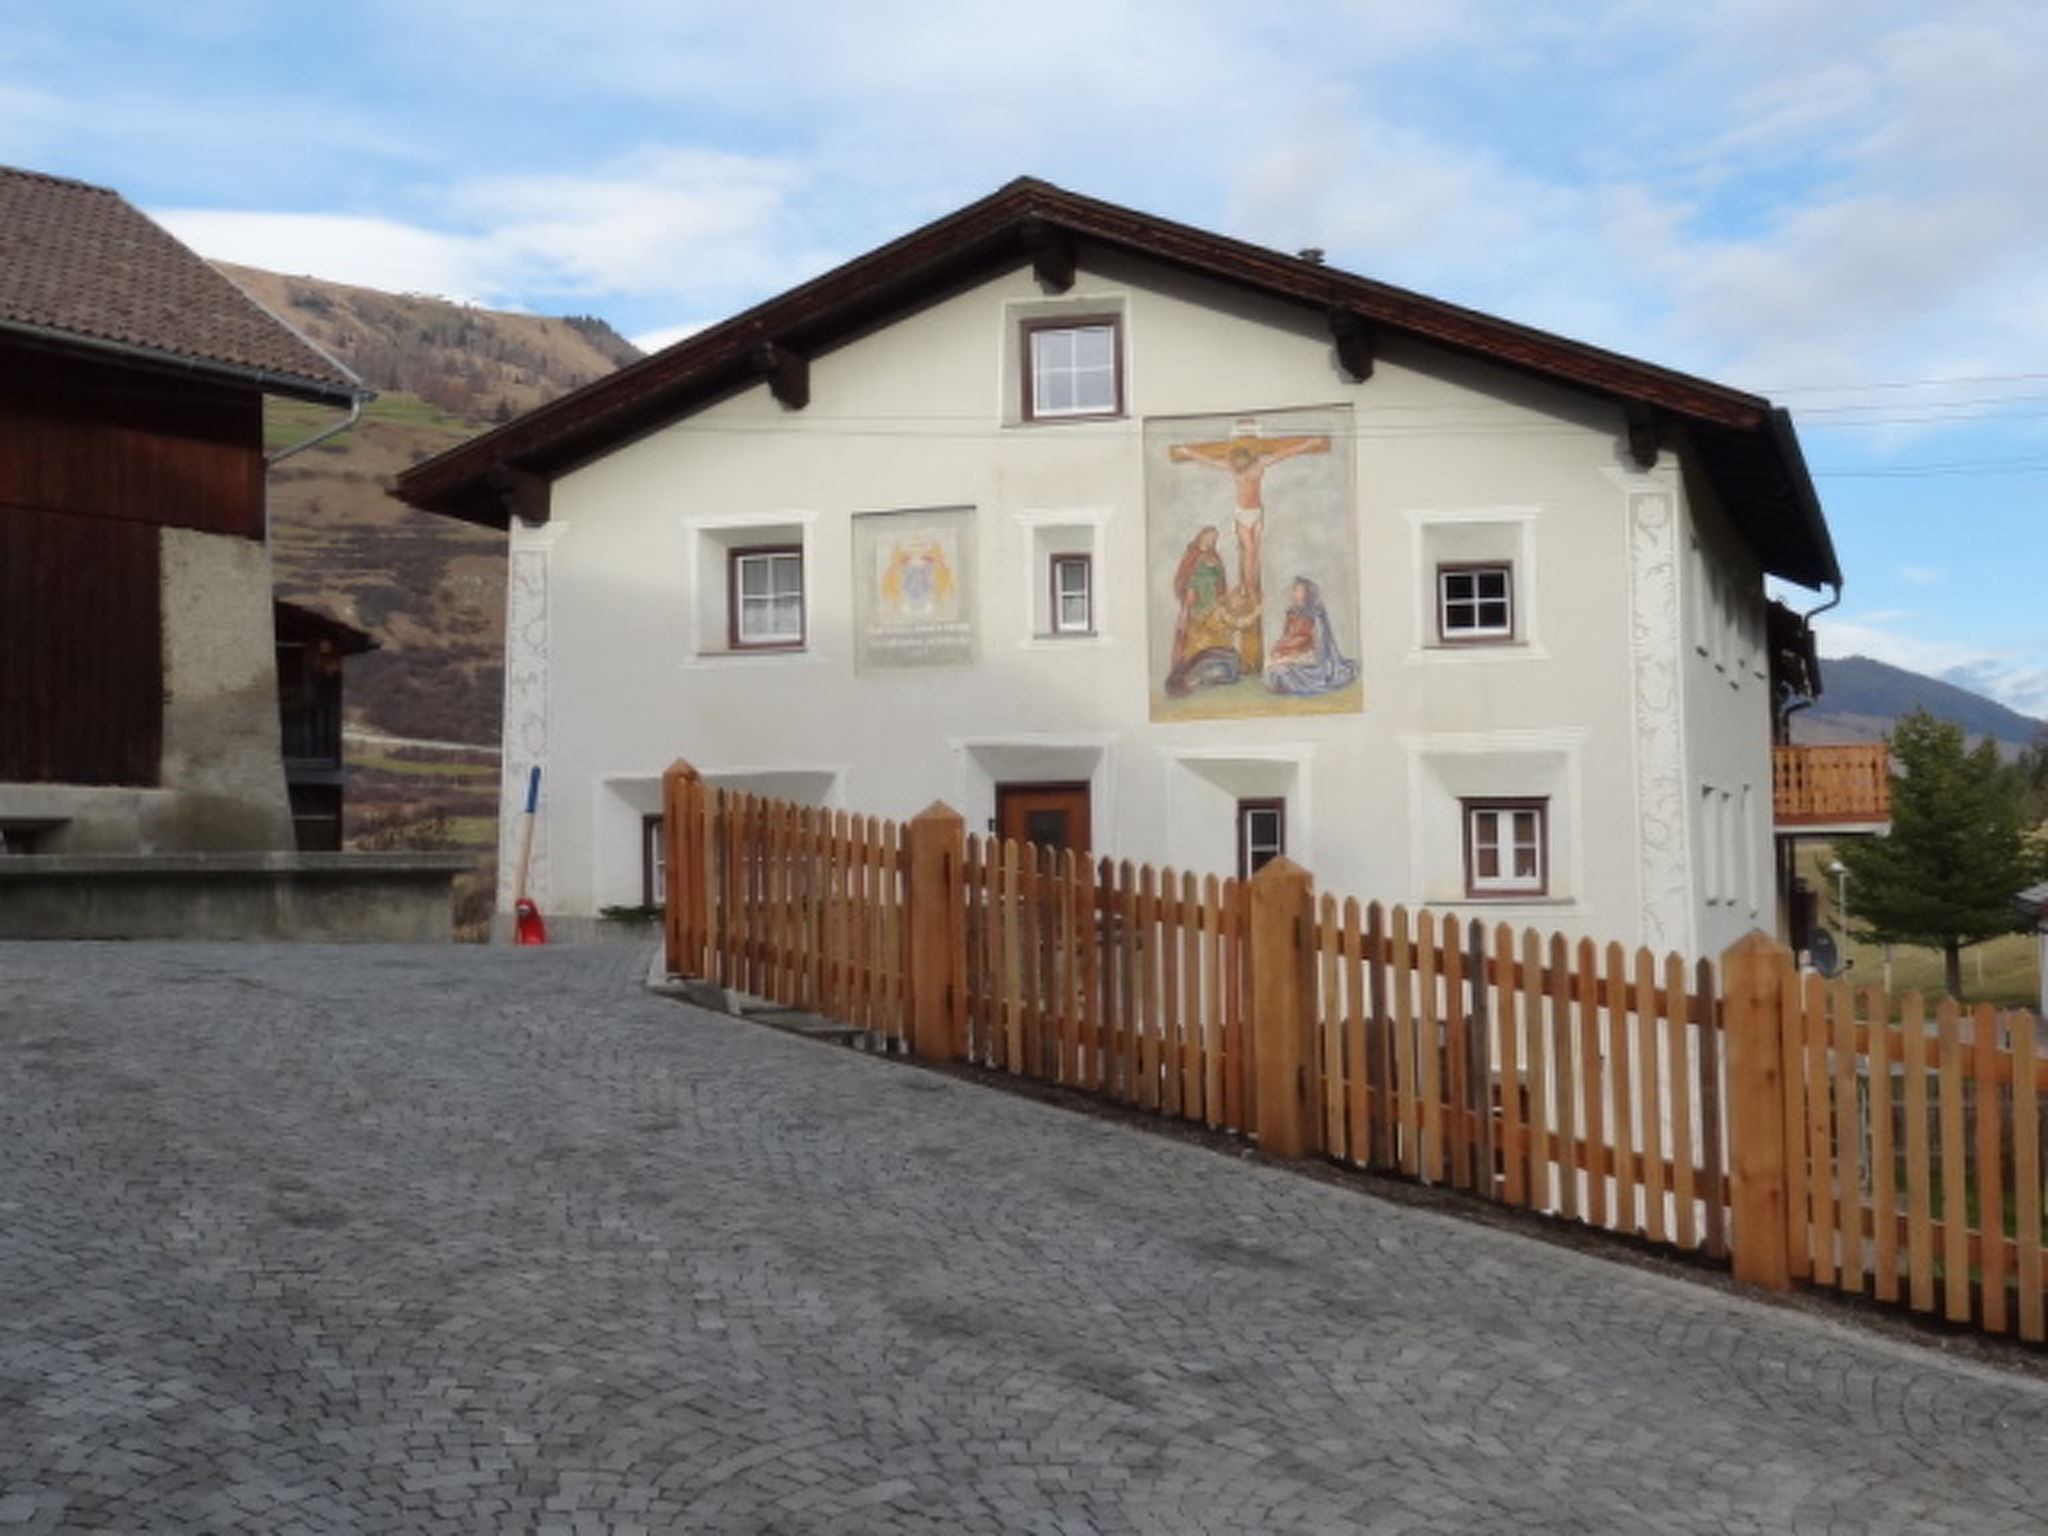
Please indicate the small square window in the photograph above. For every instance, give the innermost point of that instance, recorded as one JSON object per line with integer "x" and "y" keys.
{"x": 1507, "y": 847}
{"x": 1072, "y": 368}
{"x": 1073, "y": 595}
{"x": 767, "y": 599}
{"x": 1475, "y": 602}
{"x": 1261, "y": 834}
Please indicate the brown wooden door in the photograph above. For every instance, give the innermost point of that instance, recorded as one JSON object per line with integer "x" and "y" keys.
{"x": 1055, "y": 815}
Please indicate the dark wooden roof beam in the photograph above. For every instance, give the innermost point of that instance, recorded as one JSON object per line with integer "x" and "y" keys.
{"x": 1357, "y": 345}
{"x": 520, "y": 494}
{"x": 788, "y": 373}
{"x": 1053, "y": 261}
{"x": 1643, "y": 438}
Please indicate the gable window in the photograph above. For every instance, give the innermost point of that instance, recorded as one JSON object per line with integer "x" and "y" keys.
{"x": 1072, "y": 368}
{"x": 1073, "y": 594}
{"x": 1261, "y": 834}
{"x": 1475, "y": 602}
{"x": 1507, "y": 847}
{"x": 767, "y": 597}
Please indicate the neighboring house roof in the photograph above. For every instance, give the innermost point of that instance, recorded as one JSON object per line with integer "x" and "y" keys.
{"x": 82, "y": 269}
{"x": 1744, "y": 443}
{"x": 309, "y": 626}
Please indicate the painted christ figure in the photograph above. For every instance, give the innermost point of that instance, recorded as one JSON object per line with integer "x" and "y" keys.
{"x": 1247, "y": 455}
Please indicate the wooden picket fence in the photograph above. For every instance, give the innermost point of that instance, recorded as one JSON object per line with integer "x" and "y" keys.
{"x": 1900, "y": 1145}
{"x": 1805, "y": 1131}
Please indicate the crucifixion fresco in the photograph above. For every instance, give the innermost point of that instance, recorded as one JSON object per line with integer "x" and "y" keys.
{"x": 1212, "y": 611}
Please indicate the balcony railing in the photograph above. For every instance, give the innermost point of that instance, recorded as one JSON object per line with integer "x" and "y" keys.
{"x": 1832, "y": 786}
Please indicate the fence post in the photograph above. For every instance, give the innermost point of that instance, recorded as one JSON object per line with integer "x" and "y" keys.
{"x": 684, "y": 875}
{"x": 936, "y": 962}
{"x": 1753, "y": 974}
{"x": 1283, "y": 994}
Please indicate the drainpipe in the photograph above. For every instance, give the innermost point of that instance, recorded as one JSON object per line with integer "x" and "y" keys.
{"x": 332, "y": 429}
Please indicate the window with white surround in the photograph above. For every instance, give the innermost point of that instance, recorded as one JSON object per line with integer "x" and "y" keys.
{"x": 1475, "y": 602}
{"x": 1261, "y": 834}
{"x": 1073, "y": 593}
{"x": 1475, "y": 584}
{"x": 766, "y": 597}
{"x": 747, "y": 579}
{"x": 1063, "y": 566}
{"x": 1507, "y": 847}
{"x": 1073, "y": 367}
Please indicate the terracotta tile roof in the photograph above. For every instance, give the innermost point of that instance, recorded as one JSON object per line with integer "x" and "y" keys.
{"x": 80, "y": 265}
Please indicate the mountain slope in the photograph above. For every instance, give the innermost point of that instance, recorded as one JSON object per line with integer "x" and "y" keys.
{"x": 1860, "y": 698}
{"x": 429, "y": 589}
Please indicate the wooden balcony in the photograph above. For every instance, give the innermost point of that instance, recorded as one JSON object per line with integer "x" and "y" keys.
{"x": 1832, "y": 788}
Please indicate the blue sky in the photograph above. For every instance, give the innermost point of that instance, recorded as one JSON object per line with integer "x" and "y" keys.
{"x": 1841, "y": 204}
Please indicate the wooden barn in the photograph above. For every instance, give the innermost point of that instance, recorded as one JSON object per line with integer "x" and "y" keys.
{"x": 139, "y": 685}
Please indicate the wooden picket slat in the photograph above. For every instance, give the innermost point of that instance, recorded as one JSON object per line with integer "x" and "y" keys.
{"x": 1568, "y": 1084}
{"x": 1506, "y": 1016}
{"x": 1954, "y": 1155}
{"x": 1221, "y": 1102}
{"x": 1919, "y": 1159}
{"x": 1593, "y": 1082}
{"x": 2026, "y": 1183}
{"x": 1884, "y": 1172}
{"x": 1649, "y": 1095}
{"x": 1402, "y": 1109}
{"x": 1539, "y": 1122}
{"x": 1847, "y": 1141}
{"x": 1234, "y": 909}
{"x": 1454, "y": 1125}
{"x": 1679, "y": 1066}
{"x": 1620, "y": 1070}
{"x": 1819, "y": 1207}
{"x": 1708, "y": 1034}
{"x": 1990, "y": 1170}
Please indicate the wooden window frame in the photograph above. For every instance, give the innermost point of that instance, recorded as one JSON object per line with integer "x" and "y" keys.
{"x": 1246, "y": 810}
{"x": 1498, "y": 887}
{"x": 1070, "y": 560}
{"x": 1028, "y": 334}
{"x": 735, "y": 561}
{"x": 1474, "y": 634}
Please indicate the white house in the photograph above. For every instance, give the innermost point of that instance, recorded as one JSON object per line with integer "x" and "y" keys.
{"x": 1107, "y": 530}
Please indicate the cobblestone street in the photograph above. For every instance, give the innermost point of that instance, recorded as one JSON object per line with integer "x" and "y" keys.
{"x": 464, "y": 1239}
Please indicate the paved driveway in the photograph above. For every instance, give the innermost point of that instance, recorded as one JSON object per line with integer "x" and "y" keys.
{"x": 337, "y": 1239}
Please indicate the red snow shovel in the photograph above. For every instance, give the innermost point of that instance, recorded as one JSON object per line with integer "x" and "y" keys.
{"x": 527, "y": 927}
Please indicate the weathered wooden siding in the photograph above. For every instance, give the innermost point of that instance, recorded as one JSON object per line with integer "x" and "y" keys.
{"x": 81, "y": 681}
{"x": 128, "y": 444}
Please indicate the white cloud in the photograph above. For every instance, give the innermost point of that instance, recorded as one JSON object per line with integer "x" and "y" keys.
{"x": 368, "y": 252}
{"x": 656, "y": 224}
{"x": 654, "y": 221}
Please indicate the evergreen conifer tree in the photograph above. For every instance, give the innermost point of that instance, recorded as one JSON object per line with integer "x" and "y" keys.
{"x": 1958, "y": 850}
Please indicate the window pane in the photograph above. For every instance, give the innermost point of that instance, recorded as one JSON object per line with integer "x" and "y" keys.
{"x": 769, "y": 597}
{"x": 1073, "y": 370}
{"x": 1505, "y": 848}
{"x": 1476, "y": 601}
{"x": 1070, "y": 583}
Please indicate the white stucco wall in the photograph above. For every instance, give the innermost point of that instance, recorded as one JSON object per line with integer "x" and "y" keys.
{"x": 616, "y": 663}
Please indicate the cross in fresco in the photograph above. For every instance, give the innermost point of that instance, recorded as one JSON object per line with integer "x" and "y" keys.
{"x": 1246, "y": 455}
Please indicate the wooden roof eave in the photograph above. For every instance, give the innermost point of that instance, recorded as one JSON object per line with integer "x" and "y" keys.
{"x": 1000, "y": 232}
